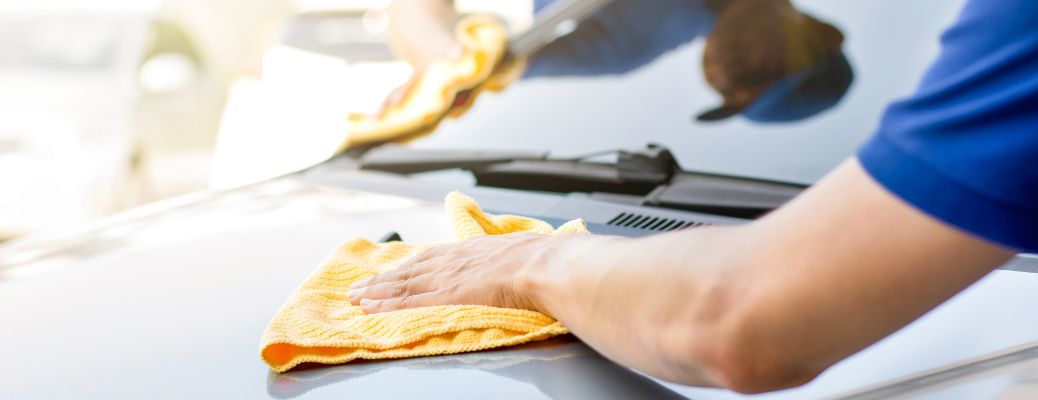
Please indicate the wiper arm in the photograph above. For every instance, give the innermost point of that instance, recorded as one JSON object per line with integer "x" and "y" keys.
{"x": 651, "y": 175}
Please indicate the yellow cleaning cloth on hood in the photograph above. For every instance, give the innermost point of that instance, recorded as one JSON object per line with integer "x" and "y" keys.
{"x": 484, "y": 43}
{"x": 318, "y": 324}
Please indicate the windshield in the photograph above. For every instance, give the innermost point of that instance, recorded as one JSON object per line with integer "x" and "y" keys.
{"x": 65, "y": 43}
{"x": 712, "y": 83}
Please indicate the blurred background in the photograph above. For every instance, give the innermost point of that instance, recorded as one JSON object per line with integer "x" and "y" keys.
{"x": 108, "y": 104}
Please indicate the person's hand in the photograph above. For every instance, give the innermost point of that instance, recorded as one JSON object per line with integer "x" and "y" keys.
{"x": 441, "y": 50}
{"x": 400, "y": 93}
{"x": 487, "y": 270}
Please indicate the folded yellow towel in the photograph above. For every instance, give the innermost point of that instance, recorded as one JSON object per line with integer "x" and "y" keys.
{"x": 318, "y": 324}
{"x": 485, "y": 43}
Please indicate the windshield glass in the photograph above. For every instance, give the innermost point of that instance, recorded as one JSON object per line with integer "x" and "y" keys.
{"x": 67, "y": 43}
{"x": 747, "y": 87}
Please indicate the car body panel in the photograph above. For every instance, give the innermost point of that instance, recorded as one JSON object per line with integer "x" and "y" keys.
{"x": 171, "y": 304}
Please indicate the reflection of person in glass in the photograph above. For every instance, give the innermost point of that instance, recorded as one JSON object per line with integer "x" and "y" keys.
{"x": 768, "y": 61}
{"x": 941, "y": 195}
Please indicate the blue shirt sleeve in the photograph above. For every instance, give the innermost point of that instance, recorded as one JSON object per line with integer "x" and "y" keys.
{"x": 964, "y": 147}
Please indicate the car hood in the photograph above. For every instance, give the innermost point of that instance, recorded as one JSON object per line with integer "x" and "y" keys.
{"x": 170, "y": 301}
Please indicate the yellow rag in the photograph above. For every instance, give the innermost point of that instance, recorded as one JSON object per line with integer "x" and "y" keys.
{"x": 484, "y": 43}
{"x": 318, "y": 324}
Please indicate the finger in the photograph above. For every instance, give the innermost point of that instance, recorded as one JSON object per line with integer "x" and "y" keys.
{"x": 398, "y": 95}
{"x": 401, "y": 273}
{"x": 371, "y": 306}
{"x": 393, "y": 289}
{"x": 392, "y": 100}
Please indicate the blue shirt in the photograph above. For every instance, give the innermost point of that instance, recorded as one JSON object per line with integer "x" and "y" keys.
{"x": 964, "y": 147}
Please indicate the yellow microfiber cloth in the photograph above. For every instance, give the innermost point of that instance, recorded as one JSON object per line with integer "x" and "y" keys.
{"x": 318, "y": 324}
{"x": 484, "y": 42}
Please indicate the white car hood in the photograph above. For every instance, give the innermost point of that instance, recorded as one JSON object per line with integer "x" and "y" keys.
{"x": 170, "y": 301}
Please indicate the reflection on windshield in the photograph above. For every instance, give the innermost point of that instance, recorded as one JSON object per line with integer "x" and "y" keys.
{"x": 57, "y": 43}
{"x": 769, "y": 61}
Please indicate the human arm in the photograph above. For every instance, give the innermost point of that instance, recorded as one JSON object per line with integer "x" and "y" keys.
{"x": 757, "y": 307}
{"x": 420, "y": 32}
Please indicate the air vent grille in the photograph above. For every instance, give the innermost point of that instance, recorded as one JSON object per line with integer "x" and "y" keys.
{"x": 651, "y": 223}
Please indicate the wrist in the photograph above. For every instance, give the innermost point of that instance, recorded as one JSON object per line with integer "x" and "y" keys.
{"x": 548, "y": 277}
{"x": 422, "y": 31}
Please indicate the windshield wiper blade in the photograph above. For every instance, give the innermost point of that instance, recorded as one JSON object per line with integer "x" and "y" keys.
{"x": 651, "y": 175}
{"x": 403, "y": 160}
{"x": 635, "y": 172}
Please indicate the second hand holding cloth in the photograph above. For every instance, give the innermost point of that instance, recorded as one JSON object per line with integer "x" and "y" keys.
{"x": 319, "y": 324}
{"x": 434, "y": 96}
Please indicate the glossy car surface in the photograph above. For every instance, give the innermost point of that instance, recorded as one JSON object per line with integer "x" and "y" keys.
{"x": 170, "y": 300}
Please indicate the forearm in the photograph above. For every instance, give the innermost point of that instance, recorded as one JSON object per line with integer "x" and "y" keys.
{"x": 637, "y": 300}
{"x": 421, "y": 31}
{"x": 769, "y": 304}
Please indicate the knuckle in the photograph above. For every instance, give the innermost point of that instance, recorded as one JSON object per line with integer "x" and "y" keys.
{"x": 398, "y": 275}
{"x": 400, "y": 288}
